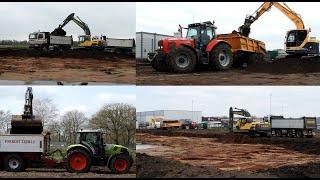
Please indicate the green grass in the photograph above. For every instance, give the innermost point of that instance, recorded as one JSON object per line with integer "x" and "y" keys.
{"x": 14, "y": 46}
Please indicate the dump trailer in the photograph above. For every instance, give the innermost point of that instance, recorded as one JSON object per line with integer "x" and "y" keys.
{"x": 119, "y": 45}
{"x": 171, "y": 124}
{"x": 293, "y": 127}
{"x": 44, "y": 41}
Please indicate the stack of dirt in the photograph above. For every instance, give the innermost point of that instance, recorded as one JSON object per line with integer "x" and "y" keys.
{"x": 287, "y": 66}
{"x": 76, "y": 53}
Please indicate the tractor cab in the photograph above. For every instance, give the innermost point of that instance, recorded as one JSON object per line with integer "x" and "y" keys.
{"x": 92, "y": 139}
{"x": 202, "y": 33}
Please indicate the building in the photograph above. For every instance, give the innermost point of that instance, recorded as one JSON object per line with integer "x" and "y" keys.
{"x": 146, "y": 43}
{"x": 144, "y": 117}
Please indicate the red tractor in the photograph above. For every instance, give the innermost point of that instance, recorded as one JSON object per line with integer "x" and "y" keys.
{"x": 201, "y": 46}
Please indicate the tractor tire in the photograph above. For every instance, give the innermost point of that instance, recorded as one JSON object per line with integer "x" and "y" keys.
{"x": 222, "y": 57}
{"x": 159, "y": 65}
{"x": 13, "y": 163}
{"x": 120, "y": 164}
{"x": 182, "y": 60}
{"x": 78, "y": 161}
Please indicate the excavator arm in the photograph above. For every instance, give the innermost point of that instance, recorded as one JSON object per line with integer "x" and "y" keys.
{"x": 266, "y": 6}
{"x": 60, "y": 32}
{"x": 237, "y": 111}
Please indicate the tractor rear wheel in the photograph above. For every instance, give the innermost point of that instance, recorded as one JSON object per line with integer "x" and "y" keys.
{"x": 222, "y": 57}
{"x": 13, "y": 163}
{"x": 182, "y": 60}
{"x": 78, "y": 161}
{"x": 120, "y": 164}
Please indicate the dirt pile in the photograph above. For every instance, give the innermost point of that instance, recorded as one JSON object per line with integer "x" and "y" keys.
{"x": 76, "y": 53}
{"x": 287, "y": 66}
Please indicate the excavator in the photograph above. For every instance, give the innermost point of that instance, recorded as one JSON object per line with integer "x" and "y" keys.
{"x": 84, "y": 40}
{"x": 26, "y": 123}
{"x": 246, "y": 125}
{"x": 298, "y": 42}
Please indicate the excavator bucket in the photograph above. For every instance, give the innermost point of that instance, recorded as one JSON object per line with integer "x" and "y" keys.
{"x": 20, "y": 125}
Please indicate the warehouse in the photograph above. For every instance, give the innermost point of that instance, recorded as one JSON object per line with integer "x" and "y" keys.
{"x": 147, "y": 42}
{"x": 144, "y": 117}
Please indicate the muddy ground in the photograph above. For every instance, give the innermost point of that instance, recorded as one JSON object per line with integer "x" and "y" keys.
{"x": 282, "y": 72}
{"x": 67, "y": 66}
{"x": 96, "y": 172}
{"x": 225, "y": 155}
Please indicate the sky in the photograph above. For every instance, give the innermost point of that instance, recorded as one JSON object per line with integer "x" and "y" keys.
{"x": 290, "y": 101}
{"x": 113, "y": 19}
{"x": 271, "y": 28}
{"x": 88, "y": 99}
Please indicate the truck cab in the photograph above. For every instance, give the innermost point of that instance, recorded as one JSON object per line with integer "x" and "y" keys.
{"x": 38, "y": 39}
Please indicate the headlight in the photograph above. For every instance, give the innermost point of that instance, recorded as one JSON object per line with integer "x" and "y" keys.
{"x": 160, "y": 43}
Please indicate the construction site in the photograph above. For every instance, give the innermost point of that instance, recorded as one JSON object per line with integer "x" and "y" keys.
{"x": 202, "y": 56}
{"x": 215, "y": 141}
{"x": 55, "y": 57}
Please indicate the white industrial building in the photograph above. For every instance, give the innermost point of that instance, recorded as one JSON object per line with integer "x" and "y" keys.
{"x": 147, "y": 42}
{"x": 144, "y": 117}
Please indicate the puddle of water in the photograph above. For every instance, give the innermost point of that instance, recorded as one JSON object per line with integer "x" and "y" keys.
{"x": 52, "y": 82}
{"x": 144, "y": 146}
{"x": 12, "y": 82}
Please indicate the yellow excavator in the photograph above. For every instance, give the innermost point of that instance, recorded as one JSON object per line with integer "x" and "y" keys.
{"x": 246, "y": 124}
{"x": 298, "y": 42}
{"x": 84, "y": 40}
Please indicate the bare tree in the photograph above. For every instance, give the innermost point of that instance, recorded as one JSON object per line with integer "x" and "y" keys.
{"x": 46, "y": 110}
{"x": 5, "y": 118}
{"x": 118, "y": 121}
{"x": 71, "y": 123}
{"x": 55, "y": 129}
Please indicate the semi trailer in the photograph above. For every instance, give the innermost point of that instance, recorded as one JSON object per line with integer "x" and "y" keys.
{"x": 124, "y": 46}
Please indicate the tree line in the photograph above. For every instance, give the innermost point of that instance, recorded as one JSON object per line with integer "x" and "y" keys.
{"x": 116, "y": 120}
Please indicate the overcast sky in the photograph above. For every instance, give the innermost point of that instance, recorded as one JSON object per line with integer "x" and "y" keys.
{"x": 216, "y": 100}
{"x": 113, "y": 19}
{"x": 88, "y": 99}
{"x": 271, "y": 28}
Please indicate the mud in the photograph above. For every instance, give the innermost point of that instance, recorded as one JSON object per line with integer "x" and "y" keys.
{"x": 281, "y": 72}
{"x": 235, "y": 156}
{"x": 95, "y": 67}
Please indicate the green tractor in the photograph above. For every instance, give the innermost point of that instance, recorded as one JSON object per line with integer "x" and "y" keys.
{"x": 91, "y": 150}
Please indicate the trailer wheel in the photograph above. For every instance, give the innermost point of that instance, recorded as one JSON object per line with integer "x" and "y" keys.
{"x": 222, "y": 57}
{"x": 299, "y": 134}
{"x": 120, "y": 164}
{"x": 78, "y": 161}
{"x": 182, "y": 60}
{"x": 13, "y": 163}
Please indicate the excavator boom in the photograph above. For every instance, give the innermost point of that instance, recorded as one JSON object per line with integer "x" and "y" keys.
{"x": 266, "y": 6}
{"x": 60, "y": 32}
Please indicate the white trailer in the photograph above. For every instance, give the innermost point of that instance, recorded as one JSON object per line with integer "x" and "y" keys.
{"x": 22, "y": 143}
{"x": 293, "y": 127}
{"x": 119, "y": 45}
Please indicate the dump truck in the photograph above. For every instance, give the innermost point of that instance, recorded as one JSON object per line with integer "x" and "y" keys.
{"x": 293, "y": 127}
{"x": 45, "y": 41}
{"x": 203, "y": 46}
{"x": 171, "y": 124}
{"x": 122, "y": 46}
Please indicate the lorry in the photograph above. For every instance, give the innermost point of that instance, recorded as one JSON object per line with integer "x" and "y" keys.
{"x": 171, "y": 124}
{"x": 45, "y": 41}
{"x": 293, "y": 127}
{"x": 203, "y": 46}
{"x": 123, "y": 46}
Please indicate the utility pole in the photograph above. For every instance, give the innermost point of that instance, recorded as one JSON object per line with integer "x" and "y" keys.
{"x": 270, "y": 106}
{"x": 192, "y": 111}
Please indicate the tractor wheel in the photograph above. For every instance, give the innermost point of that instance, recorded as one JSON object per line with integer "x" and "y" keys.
{"x": 222, "y": 57}
{"x": 182, "y": 60}
{"x": 78, "y": 161}
{"x": 120, "y": 164}
{"x": 13, "y": 163}
{"x": 159, "y": 64}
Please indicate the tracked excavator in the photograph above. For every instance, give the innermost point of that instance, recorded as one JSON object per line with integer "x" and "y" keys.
{"x": 245, "y": 124}
{"x": 26, "y": 123}
{"x": 298, "y": 42}
{"x": 84, "y": 40}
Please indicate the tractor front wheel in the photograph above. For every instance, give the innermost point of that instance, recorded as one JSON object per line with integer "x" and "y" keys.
{"x": 182, "y": 60}
{"x": 120, "y": 164}
{"x": 78, "y": 161}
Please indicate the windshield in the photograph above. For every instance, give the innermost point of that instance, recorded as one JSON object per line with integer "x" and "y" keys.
{"x": 291, "y": 37}
{"x": 33, "y": 36}
{"x": 192, "y": 32}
